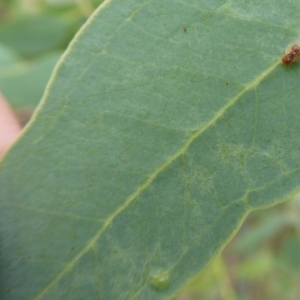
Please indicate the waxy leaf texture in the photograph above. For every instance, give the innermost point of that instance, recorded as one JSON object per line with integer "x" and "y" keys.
{"x": 164, "y": 124}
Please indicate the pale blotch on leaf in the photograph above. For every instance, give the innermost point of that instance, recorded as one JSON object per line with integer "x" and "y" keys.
{"x": 160, "y": 280}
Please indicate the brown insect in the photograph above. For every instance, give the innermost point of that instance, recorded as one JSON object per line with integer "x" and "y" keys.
{"x": 291, "y": 55}
{"x": 184, "y": 29}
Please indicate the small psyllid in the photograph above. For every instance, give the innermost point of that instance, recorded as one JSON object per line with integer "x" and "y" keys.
{"x": 291, "y": 55}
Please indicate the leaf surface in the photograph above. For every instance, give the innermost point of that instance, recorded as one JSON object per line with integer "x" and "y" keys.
{"x": 165, "y": 123}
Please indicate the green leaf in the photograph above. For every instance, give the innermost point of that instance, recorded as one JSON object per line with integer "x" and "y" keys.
{"x": 34, "y": 35}
{"x": 23, "y": 83}
{"x": 164, "y": 125}
{"x": 8, "y": 57}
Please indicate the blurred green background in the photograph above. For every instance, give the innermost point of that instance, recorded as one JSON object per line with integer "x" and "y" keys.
{"x": 33, "y": 35}
{"x": 261, "y": 262}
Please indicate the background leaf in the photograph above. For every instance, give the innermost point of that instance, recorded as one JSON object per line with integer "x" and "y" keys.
{"x": 7, "y": 56}
{"x": 165, "y": 124}
{"x": 34, "y": 34}
{"x": 24, "y": 82}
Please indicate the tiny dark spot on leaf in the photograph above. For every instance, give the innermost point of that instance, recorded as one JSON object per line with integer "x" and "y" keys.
{"x": 73, "y": 236}
{"x": 184, "y": 29}
{"x": 227, "y": 83}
